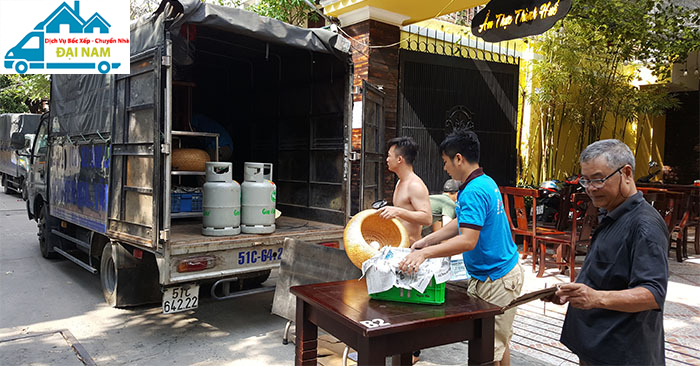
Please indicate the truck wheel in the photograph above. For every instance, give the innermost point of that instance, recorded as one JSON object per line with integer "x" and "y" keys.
{"x": 21, "y": 67}
{"x": 108, "y": 276}
{"x": 23, "y": 188}
{"x": 126, "y": 280}
{"x": 45, "y": 240}
{"x": 3, "y": 181}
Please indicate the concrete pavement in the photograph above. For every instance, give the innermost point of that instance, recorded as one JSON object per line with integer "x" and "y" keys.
{"x": 43, "y": 300}
{"x": 39, "y": 298}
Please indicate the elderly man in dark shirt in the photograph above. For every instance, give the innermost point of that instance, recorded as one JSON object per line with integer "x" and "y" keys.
{"x": 615, "y": 314}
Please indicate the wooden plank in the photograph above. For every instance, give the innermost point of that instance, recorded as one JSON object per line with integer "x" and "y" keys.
{"x": 189, "y": 232}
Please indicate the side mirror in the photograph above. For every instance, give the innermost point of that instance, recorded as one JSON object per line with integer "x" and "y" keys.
{"x": 17, "y": 141}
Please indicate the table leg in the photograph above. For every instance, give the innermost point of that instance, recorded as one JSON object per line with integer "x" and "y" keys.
{"x": 370, "y": 356}
{"x": 404, "y": 359}
{"x": 481, "y": 347}
{"x": 306, "y": 336}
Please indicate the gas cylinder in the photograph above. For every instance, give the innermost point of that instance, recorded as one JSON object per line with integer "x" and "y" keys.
{"x": 221, "y": 201}
{"x": 258, "y": 198}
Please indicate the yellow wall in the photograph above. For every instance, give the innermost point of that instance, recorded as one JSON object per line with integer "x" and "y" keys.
{"x": 644, "y": 137}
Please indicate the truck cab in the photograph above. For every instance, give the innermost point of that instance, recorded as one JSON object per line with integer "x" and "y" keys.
{"x": 17, "y": 132}
{"x": 36, "y": 179}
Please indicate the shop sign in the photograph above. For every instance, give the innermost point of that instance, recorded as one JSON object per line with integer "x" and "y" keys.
{"x": 502, "y": 20}
{"x": 54, "y": 37}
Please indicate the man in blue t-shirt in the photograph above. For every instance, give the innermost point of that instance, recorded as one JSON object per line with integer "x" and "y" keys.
{"x": 481, "y": 232}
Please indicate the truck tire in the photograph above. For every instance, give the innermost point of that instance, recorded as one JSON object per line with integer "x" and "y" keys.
{"x": 25, "y": 196}
{"x": 126, "y": 280}
{"x": 5, "y": 189}
{"x": 46, "y": 241}
{"x": 108, "y": 276}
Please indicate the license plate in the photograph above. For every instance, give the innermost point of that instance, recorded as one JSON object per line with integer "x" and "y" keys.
{"x": 177, "y": 299}
{"x": 539, "y": 209}
{"x": 259, "y": 256}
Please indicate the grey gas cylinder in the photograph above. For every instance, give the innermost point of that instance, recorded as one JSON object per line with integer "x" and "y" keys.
{"x": 258, "y": 199}
{"x": 221, "y": 201}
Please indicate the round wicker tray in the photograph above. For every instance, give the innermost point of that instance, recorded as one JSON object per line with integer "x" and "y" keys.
{"x": 366, "y": 227}
{"x": 189, "y": 160}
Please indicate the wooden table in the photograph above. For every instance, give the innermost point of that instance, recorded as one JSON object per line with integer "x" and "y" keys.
{"x": 377, "y": 329}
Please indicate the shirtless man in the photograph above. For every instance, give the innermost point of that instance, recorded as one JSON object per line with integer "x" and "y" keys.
{"x": 411, "y": 202}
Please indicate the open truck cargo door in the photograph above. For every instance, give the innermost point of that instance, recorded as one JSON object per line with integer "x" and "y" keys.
{"x": 373, "y": 146}
{"x": 136, "y": 177}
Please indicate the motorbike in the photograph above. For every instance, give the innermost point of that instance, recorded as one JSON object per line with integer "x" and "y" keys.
{"x": 647, "y": 178}
{"x": 548, "y": 202}
{"x": 554, "y": 198}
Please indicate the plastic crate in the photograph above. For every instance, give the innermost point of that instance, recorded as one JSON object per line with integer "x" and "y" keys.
{"x": 196, "y": 202}
{"x": 174, "y": 202}
{"x": 434, "y": 294}
{"x": 185, "y": 202}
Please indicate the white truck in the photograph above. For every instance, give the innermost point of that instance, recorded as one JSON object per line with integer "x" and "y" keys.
{"x": 101, "y": 176}
{"x": 14, "y": 164}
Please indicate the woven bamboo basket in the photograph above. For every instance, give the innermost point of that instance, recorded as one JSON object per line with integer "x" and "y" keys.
{"x": 193, "y": 160}
{"x": 367, "y": 227}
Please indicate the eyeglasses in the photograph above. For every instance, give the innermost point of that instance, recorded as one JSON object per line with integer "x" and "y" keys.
{"x": 597, "y": 183}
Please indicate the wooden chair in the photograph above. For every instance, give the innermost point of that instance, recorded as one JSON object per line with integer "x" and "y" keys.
{"x": 679, "y": 232}
{"x": 524, "y": 226}
{"x": 563, "y": 223}
{"x": 694, "y": 217}
{"x": 667, "y": 204}
{"x": 691, "y": 211}
{"x": 567, "y": 244}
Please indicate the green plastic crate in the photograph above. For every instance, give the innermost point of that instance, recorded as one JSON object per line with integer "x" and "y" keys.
{"x": 434, "y": 294}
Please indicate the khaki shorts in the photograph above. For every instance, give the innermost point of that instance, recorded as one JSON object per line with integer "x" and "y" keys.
{"x": 500, "y": 292}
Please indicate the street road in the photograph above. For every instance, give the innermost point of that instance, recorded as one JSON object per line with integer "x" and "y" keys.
{"x": 39, "y": 296}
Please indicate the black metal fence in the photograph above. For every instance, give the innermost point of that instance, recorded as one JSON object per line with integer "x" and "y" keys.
{"x": 459, "y": 45}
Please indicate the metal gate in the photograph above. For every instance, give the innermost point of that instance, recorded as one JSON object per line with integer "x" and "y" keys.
{"x": 373, "y": 146}
{"x": 136, "y": 155}
{"x": 438, "y": 93}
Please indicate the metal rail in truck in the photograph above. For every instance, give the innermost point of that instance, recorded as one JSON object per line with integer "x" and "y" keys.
{"x": 101, "y": 172}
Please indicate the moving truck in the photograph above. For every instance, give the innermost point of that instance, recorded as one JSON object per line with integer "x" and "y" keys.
{"x": 102, "y": 177}
{"x": 14, "y": 164}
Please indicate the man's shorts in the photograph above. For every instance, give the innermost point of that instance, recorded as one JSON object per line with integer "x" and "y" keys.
{"x": 500, "y": 292}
